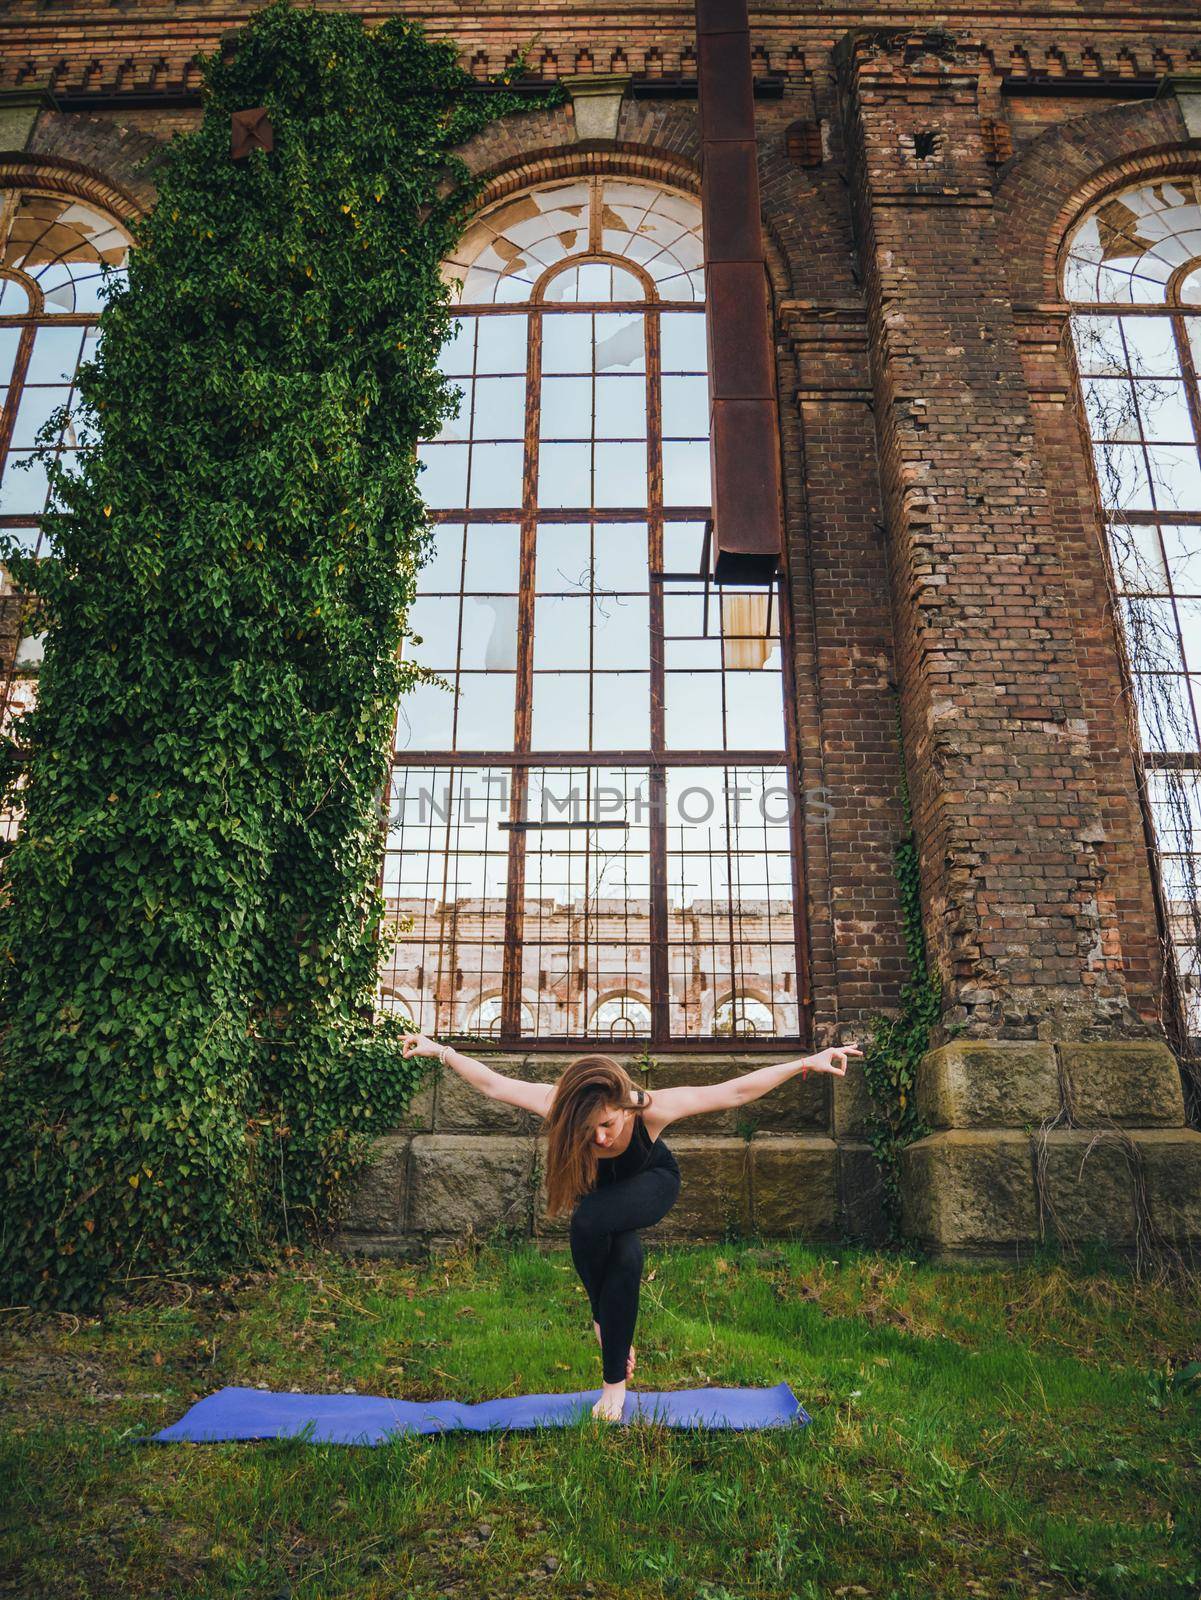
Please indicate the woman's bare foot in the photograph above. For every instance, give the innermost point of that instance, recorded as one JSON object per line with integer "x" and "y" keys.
{"x": 611, "y": 1402}
{"x": 631, "y": 1359}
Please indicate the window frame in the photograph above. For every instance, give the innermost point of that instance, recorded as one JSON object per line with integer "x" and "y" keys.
{"x": 1175, "y": 312}
{"x": 28, "y": 323}
{"x": 521, "y": 760}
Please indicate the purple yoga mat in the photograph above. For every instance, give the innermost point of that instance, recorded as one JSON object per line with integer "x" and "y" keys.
{"x": 373, "y": 1419}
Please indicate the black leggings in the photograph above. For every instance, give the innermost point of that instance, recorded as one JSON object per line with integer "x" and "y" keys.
{"x": 607, "y": 1251}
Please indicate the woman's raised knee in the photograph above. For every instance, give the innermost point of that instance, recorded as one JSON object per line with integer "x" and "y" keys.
{"x": 587, "y": 1223}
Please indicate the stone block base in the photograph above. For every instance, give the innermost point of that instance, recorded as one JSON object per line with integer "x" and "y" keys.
{"x": 860, "y": 1193}
{"x": 430, "y": 1188}
{"x": 1033, "y": 1141}
{"x": 1135, "y": 1084}
{"x": 1040, "y": 1141}
{"x": 975, "y": 1083}
{"x": 970, "y": 1190}
{"x": 990, "y": 1192}
{"x": 986, "y": 1083}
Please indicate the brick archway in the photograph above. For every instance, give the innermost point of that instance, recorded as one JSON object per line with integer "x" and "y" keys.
{"x": 677, "y": 168}
{"x": 1049, "y": 188}
{"x": 70, "y": 178}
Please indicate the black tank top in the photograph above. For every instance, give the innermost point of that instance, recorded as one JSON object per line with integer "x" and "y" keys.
{"x": 632, "y": 1159}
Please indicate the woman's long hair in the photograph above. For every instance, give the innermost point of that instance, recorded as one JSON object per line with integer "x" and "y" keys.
{"x": 584, "y": 1093}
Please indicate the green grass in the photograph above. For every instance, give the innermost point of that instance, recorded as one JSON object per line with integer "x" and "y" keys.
{"x": 976, "y": 1432}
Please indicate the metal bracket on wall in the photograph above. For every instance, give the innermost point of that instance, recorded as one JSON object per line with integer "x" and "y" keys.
{"x": 705, "y": 575}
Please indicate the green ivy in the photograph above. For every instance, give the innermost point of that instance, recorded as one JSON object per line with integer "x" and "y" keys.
{"x": 191, "y": 930}
{"x": 896, "y": 1045}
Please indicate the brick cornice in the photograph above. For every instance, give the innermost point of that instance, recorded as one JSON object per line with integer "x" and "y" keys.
{"x": 875, "y": 58}
{"x": 142, "y": 51}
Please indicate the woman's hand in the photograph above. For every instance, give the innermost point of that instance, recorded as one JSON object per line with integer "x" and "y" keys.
{"x": 420, "y": 1044}
{"x": 833, "y": 1060}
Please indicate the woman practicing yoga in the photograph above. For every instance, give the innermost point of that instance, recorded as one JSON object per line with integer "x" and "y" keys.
{"x": 607, "y": 1159}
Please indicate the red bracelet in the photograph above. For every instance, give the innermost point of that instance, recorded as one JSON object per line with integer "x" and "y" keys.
{"x": 804, "y": 1068}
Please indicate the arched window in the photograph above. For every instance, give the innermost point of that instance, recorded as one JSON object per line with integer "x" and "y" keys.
{"x": 621, "y": 1015}
{"x": 53, "y": 253}
{"x": 743, "y": 1014}
{"x": 602, "y": 802}
{"x": 53, "y": 250}
{"x": 397, "y": 1004}
{"x": 1133, "y": 274}
{"x": 486, "y": 1017}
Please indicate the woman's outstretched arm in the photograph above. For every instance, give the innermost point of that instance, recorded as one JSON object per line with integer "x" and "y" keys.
{"x": 535, "y": 1097}
{"x": 669, "y": 1105}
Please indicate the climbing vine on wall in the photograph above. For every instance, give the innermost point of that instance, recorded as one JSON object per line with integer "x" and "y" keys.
{"x": 896, "y": 1045}
{"x": 190, "y": 924}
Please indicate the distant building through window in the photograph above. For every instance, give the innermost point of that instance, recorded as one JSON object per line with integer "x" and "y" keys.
{"x": 740, "y": 1014}
{"x": 622, "y": 1014}
{"x": 486, "y": 1017}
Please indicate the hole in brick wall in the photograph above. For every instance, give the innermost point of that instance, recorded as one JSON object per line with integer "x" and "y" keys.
{"x": 925, "y": 143}
{"x": 803, "y": 143}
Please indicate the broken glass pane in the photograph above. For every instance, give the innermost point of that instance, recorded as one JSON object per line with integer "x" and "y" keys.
{"x": 620, "y": 342}
{"x": 493, "y": 558}
{"x": 490, "y": 632}
{"x": 560, "y": 712}
{"x": 565, "y": 475}
{"x": 485, "y": 711}
{"x": 443, "y": 482}
{"x": 501, "y": 344}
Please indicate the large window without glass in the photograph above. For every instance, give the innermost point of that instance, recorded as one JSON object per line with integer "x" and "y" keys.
{"x": 592, "y": 825}
{"x": 52, "y": 252}
{"x": 1133, "y": 275}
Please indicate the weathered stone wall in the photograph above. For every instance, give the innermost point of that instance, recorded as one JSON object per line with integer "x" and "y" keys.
{"x": 1066, "y": 1141}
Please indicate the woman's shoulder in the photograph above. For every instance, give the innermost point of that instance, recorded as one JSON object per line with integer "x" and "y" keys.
{"x": 652, "y": 1124}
